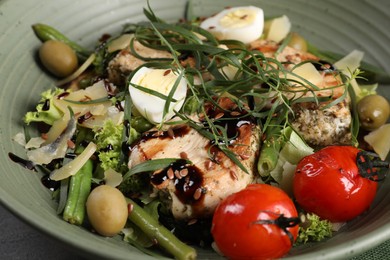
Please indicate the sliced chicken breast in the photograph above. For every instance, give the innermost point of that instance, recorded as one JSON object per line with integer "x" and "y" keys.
{"x": 126, "y": 61}
{"x": 194, "y": 190}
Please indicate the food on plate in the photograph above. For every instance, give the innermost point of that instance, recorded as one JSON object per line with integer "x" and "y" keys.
{"x": 373, "y": 111}
{"x": 177, "y": 121}
{"x": 107, "y": 210}
{"x": 58, "y": 58}
{"x": 195, "y": 189}
{"x": 167, "y": 83}
{"x": 243, "y": 23}
{"x": 258, "y": 222}
{"x": 336, "y": 183}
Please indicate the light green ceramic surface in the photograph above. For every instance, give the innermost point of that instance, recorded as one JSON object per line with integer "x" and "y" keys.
{"x": 334, "y": 25}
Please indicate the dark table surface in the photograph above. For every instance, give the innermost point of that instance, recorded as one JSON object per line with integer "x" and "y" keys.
{"x": 20, "y": 241}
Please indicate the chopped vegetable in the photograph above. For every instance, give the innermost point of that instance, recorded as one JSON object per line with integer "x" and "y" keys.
{"x": 313, "y": 229}
{"x": 46, "y": 111}
{"x": 154, "y": 230}
{"x": 79, "y": 189}
{"x": 108, "y": 140}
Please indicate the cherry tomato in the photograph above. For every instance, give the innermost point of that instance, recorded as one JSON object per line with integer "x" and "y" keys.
{"x": 259, "y": 222}
{"x": 329, "y": 184}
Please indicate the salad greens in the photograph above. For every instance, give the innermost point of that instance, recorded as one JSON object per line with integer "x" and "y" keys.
{"x": 108, "y": 139}
{"x": 45, "y": 112}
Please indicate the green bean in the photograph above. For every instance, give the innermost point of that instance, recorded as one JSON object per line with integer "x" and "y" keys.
{"x": 157, "y": 232}
{"x": 79, "y": 189}
{"x": 45, "y": 32}
{"x": 269, "y": 153}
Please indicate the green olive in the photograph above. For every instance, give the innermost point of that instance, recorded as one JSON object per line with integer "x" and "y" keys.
{"x": 107, "y": 210}
{"x": 373, "y": 111}
{"x": 297, "y": 42}
{"x": 58, "y": 58}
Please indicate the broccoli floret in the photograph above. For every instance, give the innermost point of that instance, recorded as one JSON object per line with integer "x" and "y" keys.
{"x": 135, "y": 185}
{"x": 108, "y": 139}
{"x": 313, "y": 229}
{"x": 46, "y": 111}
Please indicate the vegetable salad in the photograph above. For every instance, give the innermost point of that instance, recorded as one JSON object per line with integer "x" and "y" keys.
{"x": 165, "y": 133}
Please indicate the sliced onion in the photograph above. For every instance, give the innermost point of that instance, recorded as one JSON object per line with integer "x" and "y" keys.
{"x": 75, "y": 165}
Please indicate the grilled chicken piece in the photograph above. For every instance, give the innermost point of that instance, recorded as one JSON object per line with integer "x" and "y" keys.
{"x": 318, "y": 126}
{"x": 125, "y": 62}
{"x": 321, "y": 127}
{"x": 195, "y": 190}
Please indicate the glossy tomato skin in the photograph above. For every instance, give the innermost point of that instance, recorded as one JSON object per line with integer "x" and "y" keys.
{"x": 328, "y": 184}
{"x": 234, "y": 227}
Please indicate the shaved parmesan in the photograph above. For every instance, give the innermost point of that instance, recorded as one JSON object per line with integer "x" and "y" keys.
{"x": 20, "y": 138}
{"x": 279, "y": 29}
{"x": 306, "y": 71}
{"x": 35, "y": 142}
{"x": 350, "y": 62}
{"x": 375, "y": 139}
{"x": 57, "y": 149}
{"x": 75, "y": 165}
{"x": 112, "y": 178}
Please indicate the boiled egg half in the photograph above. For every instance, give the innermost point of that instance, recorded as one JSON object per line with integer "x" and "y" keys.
{"x": 243, "y": 23}
{"x": 150, "y": 104}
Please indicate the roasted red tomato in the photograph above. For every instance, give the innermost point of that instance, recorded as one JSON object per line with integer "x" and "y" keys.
{"x": 330, "y": 184}
{"x": 259, "y": 222}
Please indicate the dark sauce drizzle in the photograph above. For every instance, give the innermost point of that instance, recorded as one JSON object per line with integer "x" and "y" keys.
{"x": 23, "y": 162}
{"x": 49, "y": 183}
{"x": 45, "y": 180}
{"x": 187, "y": 185}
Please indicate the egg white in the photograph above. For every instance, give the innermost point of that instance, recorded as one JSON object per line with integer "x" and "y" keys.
{"x": 244, "y": 23}
{"x": 161, "y": 80}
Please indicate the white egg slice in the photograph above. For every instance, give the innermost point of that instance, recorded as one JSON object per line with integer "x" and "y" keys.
{"x": 162, "y": 81}
{"x": 243, "y": 23}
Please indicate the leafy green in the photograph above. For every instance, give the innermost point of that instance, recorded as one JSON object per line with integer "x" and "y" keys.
{"x": 313, "y": 229}
{"x": 108, "y": 139}
{"x": 152, "y": 165}
{"x": 46, "y": 111}
{"x": 135, "y": 184}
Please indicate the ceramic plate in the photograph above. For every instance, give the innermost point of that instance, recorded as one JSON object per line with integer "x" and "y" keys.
{"x": 339, "y": 26}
